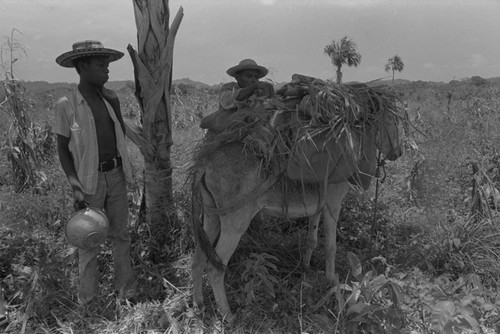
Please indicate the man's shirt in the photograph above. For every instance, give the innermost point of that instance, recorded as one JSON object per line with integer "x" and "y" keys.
{"x": 231, "y": 90}
{"x": 228, "y": 94}
{"x": 74, "y": 120}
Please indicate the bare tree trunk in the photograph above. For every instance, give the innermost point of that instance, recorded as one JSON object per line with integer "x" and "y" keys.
{"x": 339, "y": 74}
{"x": 153, "y": 78}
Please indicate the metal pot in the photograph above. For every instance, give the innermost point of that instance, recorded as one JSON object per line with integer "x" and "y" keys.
{"x": 87, "y": 228}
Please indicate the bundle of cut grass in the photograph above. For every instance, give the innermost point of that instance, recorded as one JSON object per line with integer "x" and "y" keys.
{"x": 327, "y": 104}
{"x": 333, "y": 121}
{"x": 326, "y": 111}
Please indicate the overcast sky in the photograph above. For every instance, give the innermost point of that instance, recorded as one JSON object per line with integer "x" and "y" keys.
{"x": 438, "y": 40}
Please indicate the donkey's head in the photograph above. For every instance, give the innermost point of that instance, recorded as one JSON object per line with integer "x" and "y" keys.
{"x": 387, "y": 138}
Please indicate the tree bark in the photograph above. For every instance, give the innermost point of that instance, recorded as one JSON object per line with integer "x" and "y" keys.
{"x": 339, "y": 74}
{"x": 153, "y": 78}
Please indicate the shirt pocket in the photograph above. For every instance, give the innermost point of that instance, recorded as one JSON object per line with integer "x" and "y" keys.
{"x": 79, "y": 136}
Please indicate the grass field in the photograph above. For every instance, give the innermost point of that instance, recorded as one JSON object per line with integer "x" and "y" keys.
{"x": 428, "y": 265}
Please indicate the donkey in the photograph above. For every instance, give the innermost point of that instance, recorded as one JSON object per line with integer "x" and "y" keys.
{"x": 229, "y": 187}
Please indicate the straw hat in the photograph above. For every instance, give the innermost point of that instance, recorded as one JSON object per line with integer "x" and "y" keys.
{"x": 247, "y": 64}
{"x": 87, "y": 48}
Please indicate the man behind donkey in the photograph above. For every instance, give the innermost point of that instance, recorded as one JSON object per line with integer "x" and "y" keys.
{"x": 240, "y": 100}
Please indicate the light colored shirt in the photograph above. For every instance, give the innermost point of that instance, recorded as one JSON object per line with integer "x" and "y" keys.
{"x": 74, "y": 120}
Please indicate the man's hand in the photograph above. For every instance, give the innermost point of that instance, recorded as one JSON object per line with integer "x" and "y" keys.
{"x": 79, "y": 202}
{"x": 264, "y": 89}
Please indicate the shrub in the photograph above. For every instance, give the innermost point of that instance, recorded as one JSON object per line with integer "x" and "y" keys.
{"x": 478, "y": 81}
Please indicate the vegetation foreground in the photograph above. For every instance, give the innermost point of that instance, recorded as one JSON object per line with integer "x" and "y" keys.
{"x": 418, "y": 253}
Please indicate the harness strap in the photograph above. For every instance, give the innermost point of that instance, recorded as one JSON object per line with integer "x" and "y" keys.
{"x": 380, "y": 163}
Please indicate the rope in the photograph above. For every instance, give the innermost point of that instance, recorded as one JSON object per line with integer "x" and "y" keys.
{"x": 380, "y": 163}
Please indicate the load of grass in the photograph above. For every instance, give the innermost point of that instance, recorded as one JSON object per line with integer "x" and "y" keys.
{"x": 326, "y": 111}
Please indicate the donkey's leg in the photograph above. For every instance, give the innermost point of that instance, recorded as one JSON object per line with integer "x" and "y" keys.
{"x": 211, "y": 225}
{"x": 312, "y": 238}
{"x": 233, "y": 225}
{"x": 335, "y": 195}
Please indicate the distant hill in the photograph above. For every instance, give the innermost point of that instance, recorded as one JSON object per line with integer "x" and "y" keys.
{"x": 189, "y": 82}
{"x": 36, "y": 89}
{"x": 41, "y": 86}
{"x": 120, "y": 85}
{"x": 396, "y": 81}
{"x": 378, "y": 82}
{"x": 494, "y": 80}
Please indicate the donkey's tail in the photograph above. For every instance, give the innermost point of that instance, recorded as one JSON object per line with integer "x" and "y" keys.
{"x": 200, "y": 236}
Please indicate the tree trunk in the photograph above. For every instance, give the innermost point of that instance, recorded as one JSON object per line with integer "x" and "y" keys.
{"x": 339, "y": 74}
{"x": 153, "y": 78}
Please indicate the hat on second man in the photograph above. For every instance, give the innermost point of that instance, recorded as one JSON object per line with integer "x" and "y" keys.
{"x": 247, "y": 64}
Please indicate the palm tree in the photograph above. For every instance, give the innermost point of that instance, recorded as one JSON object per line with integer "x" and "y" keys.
{"x": 153, "y": 80}
{"x": 343, "y": 52}
{"x": 394, "y": 64}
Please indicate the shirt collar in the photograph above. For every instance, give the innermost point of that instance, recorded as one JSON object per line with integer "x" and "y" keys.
{"x": 79, "y": 97}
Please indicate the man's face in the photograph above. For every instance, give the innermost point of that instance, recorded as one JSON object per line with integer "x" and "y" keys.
{"x": 247, "y": 77}
{"x": 96, "y": 71}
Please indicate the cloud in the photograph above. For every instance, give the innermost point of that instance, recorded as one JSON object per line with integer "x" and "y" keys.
{"x": 340, "y": 3}
{"x": 355, "y": 3}
{"x": 478, "y": 60}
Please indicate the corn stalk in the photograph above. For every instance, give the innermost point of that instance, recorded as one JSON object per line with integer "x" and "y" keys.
{"x": 153, "y": 79}
{"x": 20, "y": 143}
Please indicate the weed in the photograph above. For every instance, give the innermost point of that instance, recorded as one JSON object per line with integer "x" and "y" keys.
{"x": 258, "y": 276}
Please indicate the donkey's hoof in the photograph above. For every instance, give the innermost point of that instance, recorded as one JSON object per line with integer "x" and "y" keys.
{"x": 199, "y": 310}
{"x": 229, "y": 318}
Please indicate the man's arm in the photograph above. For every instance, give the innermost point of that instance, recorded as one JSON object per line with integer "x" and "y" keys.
{"x": 259, "y": 88}
{"x": 246, "y": 92}
{"x": 232, "y": 95}
{"x": 69, "y": 169}
{"x": 265, "y": 89}
{"x": 226, "y": 97}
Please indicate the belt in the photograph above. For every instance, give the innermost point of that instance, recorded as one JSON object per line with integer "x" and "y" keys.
{"x": 106, "y": 166}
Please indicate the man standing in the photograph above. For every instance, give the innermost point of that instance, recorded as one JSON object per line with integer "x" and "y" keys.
{"x": 93, "y": 154}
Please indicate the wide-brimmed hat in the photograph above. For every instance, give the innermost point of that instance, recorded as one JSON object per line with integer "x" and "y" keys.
{"x": 247, "y": 64}
{"x": 87, "y": 48}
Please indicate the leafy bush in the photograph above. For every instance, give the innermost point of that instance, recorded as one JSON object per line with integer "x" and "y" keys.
{"x": 257, "y": 277}
{"x": 478, "y": 81}
{"x": 372, "y": 303}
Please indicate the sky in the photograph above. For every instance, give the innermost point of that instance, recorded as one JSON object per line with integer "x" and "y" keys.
{"x": 438, "y": 40}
